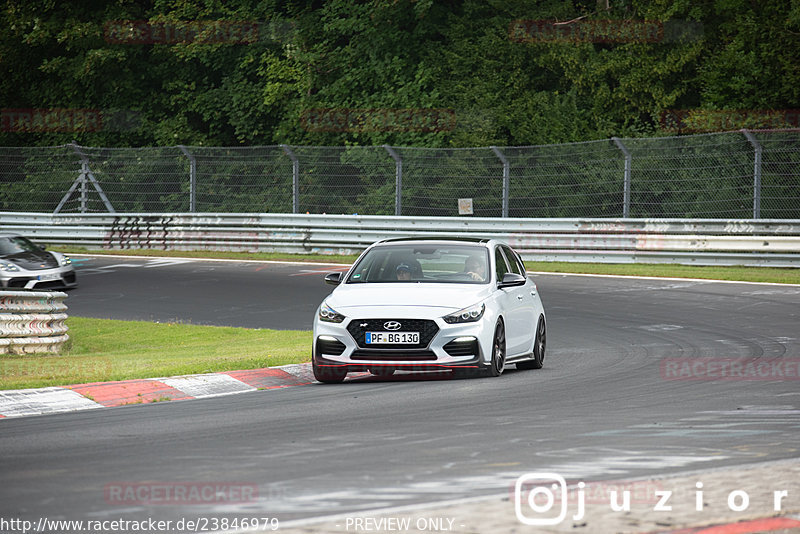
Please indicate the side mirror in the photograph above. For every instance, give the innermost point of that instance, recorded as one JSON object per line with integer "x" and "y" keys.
{"x": 512, "y": 280}
{"x": 333, "y": 279}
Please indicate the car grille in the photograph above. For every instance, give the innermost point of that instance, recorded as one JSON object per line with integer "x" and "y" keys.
{"x": 427, "y": 331}
{"x": 386, "y": 356}
{"x": 50, "y": 284}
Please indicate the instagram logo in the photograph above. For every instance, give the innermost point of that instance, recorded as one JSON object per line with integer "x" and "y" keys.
{"x": 538, "y": 492}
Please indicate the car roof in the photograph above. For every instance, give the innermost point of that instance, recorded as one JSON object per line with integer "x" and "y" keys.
{"x": 439, "y": 239}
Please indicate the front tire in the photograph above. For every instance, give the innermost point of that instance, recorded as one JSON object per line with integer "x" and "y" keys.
{"x": 498, "y": 363}
{"x": 539, "y": 346}
{"x": 328, "y": 375}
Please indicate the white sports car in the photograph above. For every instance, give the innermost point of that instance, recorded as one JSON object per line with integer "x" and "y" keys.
{"x": 26, "y": 265}
{"x": 427, "y": 304}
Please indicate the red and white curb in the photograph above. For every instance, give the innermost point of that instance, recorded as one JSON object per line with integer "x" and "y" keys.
{"x": 23, "y": 402}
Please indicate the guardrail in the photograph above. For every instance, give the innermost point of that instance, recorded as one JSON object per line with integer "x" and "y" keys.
{"x": 758, "y": 242}
{"x": 32, "y": 321}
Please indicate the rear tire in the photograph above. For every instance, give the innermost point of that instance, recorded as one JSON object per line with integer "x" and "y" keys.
{"x": 539, "y": 346}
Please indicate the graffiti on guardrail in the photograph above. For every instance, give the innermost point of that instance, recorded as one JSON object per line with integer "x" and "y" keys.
{"x": 603, "y": 227}
{"x": 138, "y": 232}
{"x": 739, "y": 227}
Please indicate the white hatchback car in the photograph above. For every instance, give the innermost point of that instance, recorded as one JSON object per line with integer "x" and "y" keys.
{"x": 428, "y": 304}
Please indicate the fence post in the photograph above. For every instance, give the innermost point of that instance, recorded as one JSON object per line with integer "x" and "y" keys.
{"x": 626, "y": 186}
{"x": 506, "y": 178}
{"x": 398, "y": 180}
{"x": 756, "y": 174}
{"x": 295, "y": 178}
{"x": 84, "y": 188}
{"x": 80, "y": 181}
{"x": 192, "y": 178}
{"x": 83, "y": 180}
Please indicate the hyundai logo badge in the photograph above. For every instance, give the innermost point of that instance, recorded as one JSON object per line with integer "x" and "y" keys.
{"x": 392, "y": 325}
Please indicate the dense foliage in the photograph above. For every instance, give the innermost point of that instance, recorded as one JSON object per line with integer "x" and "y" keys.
{"x": 463, "y": 58}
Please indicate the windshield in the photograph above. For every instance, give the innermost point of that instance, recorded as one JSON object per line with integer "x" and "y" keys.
{"x": 432, "y": 263}
{"x": 16, "y": 245}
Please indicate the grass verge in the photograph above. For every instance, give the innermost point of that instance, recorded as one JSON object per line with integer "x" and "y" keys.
{"x": 742, "y": 274}
{"x": 101, "y": 350}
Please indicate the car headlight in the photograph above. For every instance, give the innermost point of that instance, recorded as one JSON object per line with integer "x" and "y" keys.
{"x": 329, "y": 315}
{"x": 64, "y": 260}
{"x": 8, "y": 267}
{"x": 467, "y": 315}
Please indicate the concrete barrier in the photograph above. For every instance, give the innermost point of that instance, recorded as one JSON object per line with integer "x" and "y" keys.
{"x": 32, "y": 321}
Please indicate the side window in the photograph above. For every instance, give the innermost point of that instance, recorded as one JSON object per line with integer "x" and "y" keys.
{"x": 500, "y": 264}
{"x": 514, "y": 261}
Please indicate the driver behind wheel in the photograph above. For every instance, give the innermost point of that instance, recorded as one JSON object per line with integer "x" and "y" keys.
{"x": 475, "y": 268}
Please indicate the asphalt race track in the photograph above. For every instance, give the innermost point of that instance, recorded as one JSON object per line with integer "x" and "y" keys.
{"x": 252, "y": 295}
{"x": 611, "y": 402}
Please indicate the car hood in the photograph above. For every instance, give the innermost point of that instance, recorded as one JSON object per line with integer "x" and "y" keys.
{"x": 427, "y": 299}
{"x": 33, "y": 261}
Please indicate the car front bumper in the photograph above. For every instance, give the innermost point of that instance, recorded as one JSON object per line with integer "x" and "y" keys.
{"x": 452, "y": 346}
{"x": 57, "y": 278}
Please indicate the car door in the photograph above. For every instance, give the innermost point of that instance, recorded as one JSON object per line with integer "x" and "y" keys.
{"x": 530, "y": 312}
{"x": 516, "y": 303}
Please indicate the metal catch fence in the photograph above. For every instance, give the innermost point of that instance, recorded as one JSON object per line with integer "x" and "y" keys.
{"x": 731, "y": 175}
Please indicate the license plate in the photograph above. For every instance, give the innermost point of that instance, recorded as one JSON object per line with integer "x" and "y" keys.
{"x": 43, "y": 277}
{"x": 393, "y": 338}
